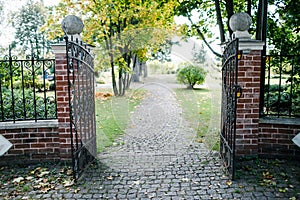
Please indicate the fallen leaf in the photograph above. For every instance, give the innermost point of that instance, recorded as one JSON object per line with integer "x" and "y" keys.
{"x": 267, "y": 175}
{"x": 282, "y": 190}
{"x": 36, "y": 170}
{"x": 18, "y": 180}
{"x": 283, "y": 174}
{"x": 76, "y": 190}
{"x": 69, "y": 172}
{"x": 29, "y": 178}
{"x": 136, "y": 182}
{"x": 229, "y": 183}
{"x": 68, "y": 183}
{"x": 43, "y": 174}
{"x": 185, "y": 179}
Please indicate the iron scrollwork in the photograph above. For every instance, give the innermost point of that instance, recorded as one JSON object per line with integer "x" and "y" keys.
{"x": 230, "y": 90}
{"x": 82, "y": 105}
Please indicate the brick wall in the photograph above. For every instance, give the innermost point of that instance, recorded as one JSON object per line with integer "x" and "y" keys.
{"x": 249, "y": 67}
{"x": 264, "y": 137}
{"x": 43, "y": 140}
{"x": 32, "y": 142}
{"x": 275, "y": 138}
{"x": 63, "y": 110}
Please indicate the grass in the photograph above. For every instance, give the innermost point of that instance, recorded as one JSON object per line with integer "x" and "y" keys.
{"x": 202, "y": 113}
{"x": 113, "y": 114}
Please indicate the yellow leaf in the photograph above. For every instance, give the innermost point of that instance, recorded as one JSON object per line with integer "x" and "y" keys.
{"x": 229, "y": 183}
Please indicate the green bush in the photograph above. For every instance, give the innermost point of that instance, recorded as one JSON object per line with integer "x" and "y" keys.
{"x": 26, "y": 110}
{"x": 285, "y": 103}
{"x": 191, "y": 75}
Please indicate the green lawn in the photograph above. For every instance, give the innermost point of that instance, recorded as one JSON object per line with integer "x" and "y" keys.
{"x": 202, "y": 113}
{"x": 112, "y": 116}
{"x": 199, "y": 108}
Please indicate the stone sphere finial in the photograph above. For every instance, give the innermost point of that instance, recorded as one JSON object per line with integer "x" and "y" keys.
{"x": 240, "y": 24}
{"x": 72, "y": 25}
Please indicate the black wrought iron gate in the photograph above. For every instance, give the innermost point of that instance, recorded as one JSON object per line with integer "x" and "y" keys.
{"x": 82, "y": 104}
{"x": 230, "y": 89}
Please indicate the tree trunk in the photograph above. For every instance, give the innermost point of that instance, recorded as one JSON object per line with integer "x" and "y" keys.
{"x": 113, "y": 79}
{"x": 109, "y": 45}
{"x": 249, "y": 7}
{"x": 130, "y": 77}
{"x": 120, "y": 82}
{"x": 261, "y": 22}
{"x": 136, "y": 71}
{"x": 145, "y": 69}
{"x": 258, "y": 35}
{"x": 229, "y": 9}
{"x": 219, "y": 21}
{"x": 127, "y": 75}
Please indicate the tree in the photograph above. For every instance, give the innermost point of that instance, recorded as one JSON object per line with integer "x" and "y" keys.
{"x": 199, "y": 55}
{"x": 27, "y": 22}
{"x": 124, "y": 29}
{"x": 284, "y": 37}
{"x": 191, "y": 75}
{"x": 284, "y": 27}
{"x": 163, "y": 54}
{"x": 212, "y": 13}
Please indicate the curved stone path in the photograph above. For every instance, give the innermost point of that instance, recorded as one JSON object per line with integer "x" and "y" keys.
{"x": 157, "y": 133}
{"x": 160, "y": 158}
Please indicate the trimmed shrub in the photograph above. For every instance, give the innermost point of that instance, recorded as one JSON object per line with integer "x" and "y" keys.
{"x": 191, "y": 75}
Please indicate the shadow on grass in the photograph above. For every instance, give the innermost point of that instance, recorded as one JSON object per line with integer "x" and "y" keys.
{"x": 195, "y": 89}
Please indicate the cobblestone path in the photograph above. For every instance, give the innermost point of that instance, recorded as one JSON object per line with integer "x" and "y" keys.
{"x": 160, "y": 159}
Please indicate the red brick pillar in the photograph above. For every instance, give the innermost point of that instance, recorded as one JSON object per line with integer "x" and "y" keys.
{"x": 249, "y": 78}
{"x": 62, "y": 96}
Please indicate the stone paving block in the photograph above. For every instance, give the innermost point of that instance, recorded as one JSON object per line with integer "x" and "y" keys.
{"x": 161, "y": 160}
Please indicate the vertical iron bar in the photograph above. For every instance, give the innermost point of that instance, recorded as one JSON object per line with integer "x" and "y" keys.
{"x": 54, "y": 79}
{"x": 279, "y": 87}
{"x": 264, "y": 15}
{"x": 79, "y": 80}
{"x": 23, "y": 91}
{"x": 11, "y": 85}
{"x": 269, "y": 84}
{"x": 1, "y": 99}
{"x": 70, "y": 105}
{"x": 235, "y": 107}
{"x": 291, "y": 87}
{"x": 44, "y": 84}
{"x": 34, "y": 88}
